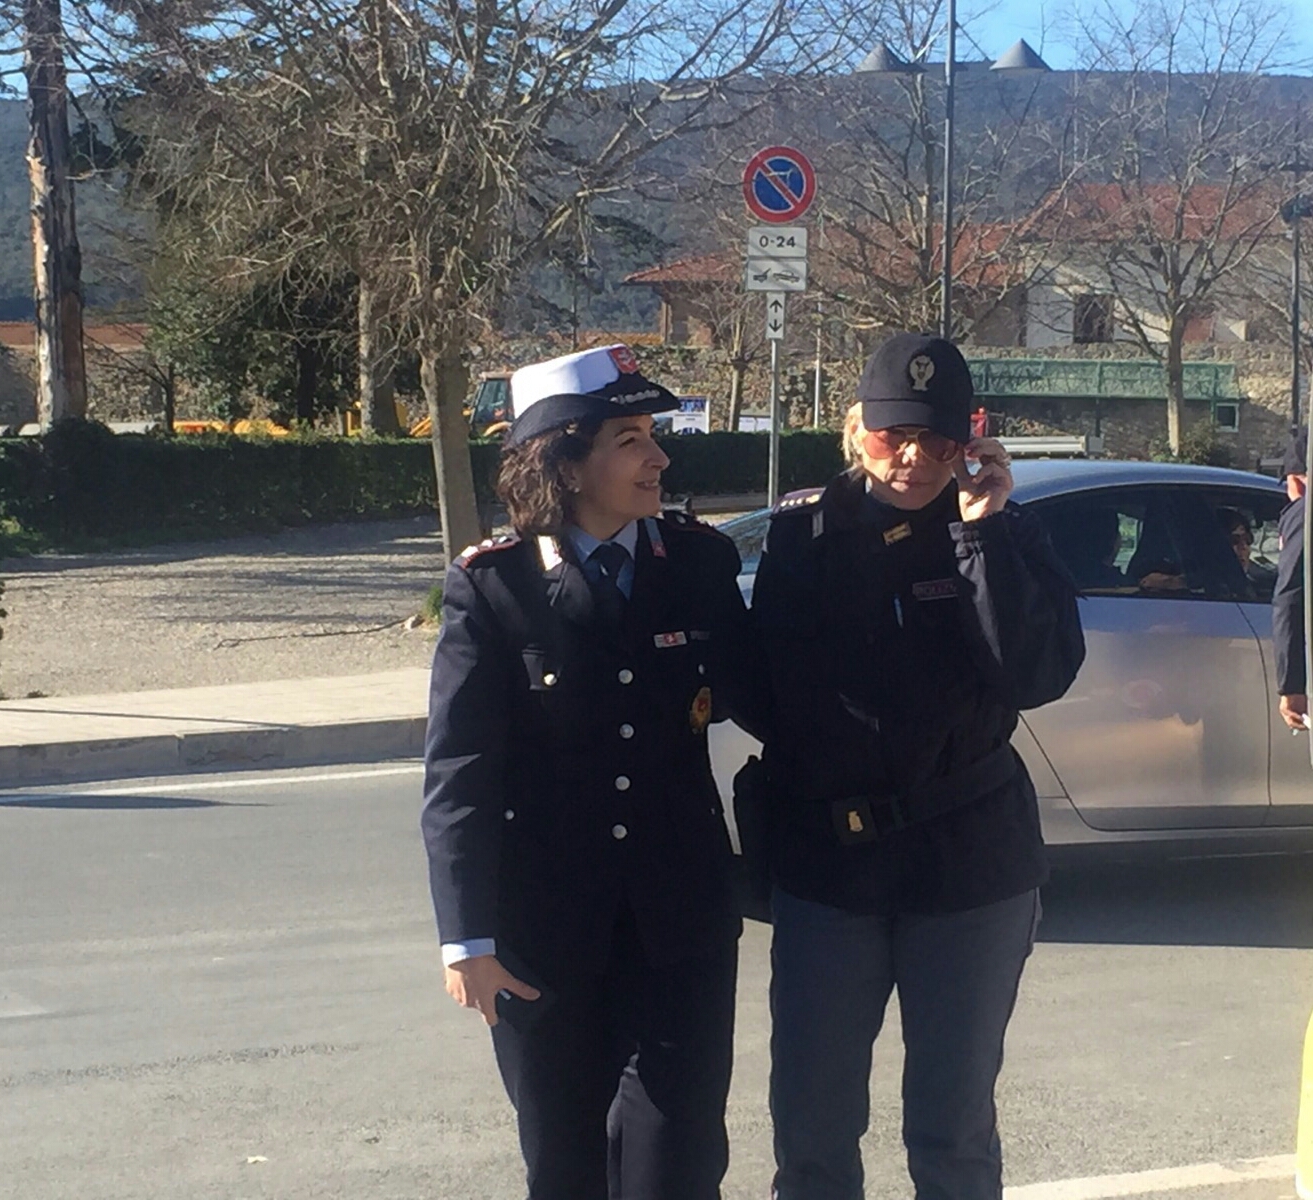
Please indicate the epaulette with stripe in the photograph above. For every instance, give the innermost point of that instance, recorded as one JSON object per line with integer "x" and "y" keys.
{"x": 797, "y": 500}
{"x": 684, "y": 520}
{"x": 470, "y": 553}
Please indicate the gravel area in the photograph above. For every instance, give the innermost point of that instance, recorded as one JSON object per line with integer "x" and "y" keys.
{"x": 326, "y": 600}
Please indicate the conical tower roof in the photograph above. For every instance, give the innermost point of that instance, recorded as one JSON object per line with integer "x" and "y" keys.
{"x": 1020, "y": 57}
{"x": 883, "y": 61}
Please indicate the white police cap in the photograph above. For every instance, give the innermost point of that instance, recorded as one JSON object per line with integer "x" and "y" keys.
{"x": 591, "y": 384}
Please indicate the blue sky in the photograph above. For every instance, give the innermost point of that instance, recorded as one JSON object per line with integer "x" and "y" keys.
{"x": 1040, "y": 25}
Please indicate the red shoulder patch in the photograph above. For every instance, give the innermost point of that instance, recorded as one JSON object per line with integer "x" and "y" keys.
{"x": 470, "y": 553}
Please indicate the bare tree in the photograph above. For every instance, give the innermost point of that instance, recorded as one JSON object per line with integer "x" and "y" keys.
{"x": 1187, "y": 199}
{"x": 879, "y": 263}
{"x": 57, "y": 257}
{"x": 483, "y": 128}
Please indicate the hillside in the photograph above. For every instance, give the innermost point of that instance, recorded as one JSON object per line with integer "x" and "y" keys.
{"x": 672, "y": 202}
{"x": 100, "y": 217}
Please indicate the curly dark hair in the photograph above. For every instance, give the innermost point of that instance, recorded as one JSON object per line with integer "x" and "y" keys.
{"x": 531, "y": 481}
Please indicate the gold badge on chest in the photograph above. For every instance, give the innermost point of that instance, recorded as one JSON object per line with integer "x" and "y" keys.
{"x": 700, "y": 712}
{"x": 897, "y": 534}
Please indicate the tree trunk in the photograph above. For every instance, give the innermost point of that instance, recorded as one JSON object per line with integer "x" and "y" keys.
{"x": 170, "y": 400}
{"x": 61, "y": 364}
{"x": 378, "y": 410}
{"x": 445, "y": 381}
{"x": 1175, "y": 387}
{"x": 738, "y": 369}
{"x": 307, "y": 381}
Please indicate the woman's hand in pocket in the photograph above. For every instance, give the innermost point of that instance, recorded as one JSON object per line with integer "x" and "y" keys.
{"x": 475, "y": 982}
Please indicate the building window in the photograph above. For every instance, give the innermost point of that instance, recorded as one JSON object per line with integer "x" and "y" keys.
{"x": 1226, "y": 416}
{"x": 1093, "y": 321}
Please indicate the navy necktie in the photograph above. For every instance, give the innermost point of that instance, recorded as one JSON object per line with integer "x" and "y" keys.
{"x": 611, "y": 560}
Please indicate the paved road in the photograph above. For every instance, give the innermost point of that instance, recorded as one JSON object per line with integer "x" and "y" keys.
{"x": 227, "y": 987}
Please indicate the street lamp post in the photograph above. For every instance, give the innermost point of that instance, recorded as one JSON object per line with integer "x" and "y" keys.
{"x": 882, "y": 60}
{"x": 1292, "y": 212}
{"x": 946, "y": 288}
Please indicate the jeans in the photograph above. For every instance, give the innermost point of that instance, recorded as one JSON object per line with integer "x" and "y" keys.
{"x": 957, "y": 976}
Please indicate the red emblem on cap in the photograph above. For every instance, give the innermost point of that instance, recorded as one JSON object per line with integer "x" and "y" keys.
{"x": 624, "y": 359}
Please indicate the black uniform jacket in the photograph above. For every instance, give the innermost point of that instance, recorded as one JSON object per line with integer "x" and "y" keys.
{"x": 566, "y": 766}
{"x": 900, "y": 647}
{"x": 1288, "y": 603}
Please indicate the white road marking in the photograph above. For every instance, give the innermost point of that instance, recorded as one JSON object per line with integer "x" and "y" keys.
{"x": 215, "y": 785}
{"x": 12, "y": 1004}
{"x": 1168, "y": 1179}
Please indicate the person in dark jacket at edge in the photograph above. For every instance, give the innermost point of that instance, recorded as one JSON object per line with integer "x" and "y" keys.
{"x": 580, "y": 864}
{"x": 1288, "y": 596}
{"x": 908, "y": 612}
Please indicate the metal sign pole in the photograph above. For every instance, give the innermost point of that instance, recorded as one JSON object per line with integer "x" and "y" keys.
{"x": 779, "y": 185}
{"x": 819, "y": 377}
{"x": 773, "y": 465}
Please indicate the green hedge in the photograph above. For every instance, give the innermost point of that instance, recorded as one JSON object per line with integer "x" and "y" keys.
{"x": 721, "y": 464}
{"x": 82, "y": 485}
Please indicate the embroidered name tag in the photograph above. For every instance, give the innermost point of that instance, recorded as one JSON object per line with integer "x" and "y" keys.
{"x": 935, "y": 589}
{"x": 664, "y": 640}
{"x": 897, "y": 533}
{"x": 700, "y": 635}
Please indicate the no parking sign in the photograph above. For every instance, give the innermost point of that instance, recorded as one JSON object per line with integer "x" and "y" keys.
{"x": 779, "y": 184}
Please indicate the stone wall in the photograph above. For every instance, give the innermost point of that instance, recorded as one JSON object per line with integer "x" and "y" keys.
{"x": 17, "y": 388}
{"x": 118, "y": 387}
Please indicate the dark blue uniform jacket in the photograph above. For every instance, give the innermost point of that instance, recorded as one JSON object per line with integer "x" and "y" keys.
{"x": 566, "y": 766}
{"x": 1288, "y": 603}
{"x": 900, "y": 647}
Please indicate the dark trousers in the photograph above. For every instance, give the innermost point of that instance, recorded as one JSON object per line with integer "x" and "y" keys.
{"x": 620, "y": 1084}
{"x": 832, "y": 973}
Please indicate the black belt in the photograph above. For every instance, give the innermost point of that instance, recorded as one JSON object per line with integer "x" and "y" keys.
{"x": 858, "y": 819}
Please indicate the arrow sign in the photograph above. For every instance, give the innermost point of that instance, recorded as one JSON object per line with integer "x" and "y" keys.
{"x": 774, "y": 316}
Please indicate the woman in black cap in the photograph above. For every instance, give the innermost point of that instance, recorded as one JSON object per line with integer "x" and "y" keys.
{"x": 579, "y": 860}
{"x": 908, "y": 612}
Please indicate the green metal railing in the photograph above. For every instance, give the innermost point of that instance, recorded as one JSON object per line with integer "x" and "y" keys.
{"x": 1098, "y": 379}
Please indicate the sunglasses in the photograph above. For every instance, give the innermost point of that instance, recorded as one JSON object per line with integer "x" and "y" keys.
{"x": 888, "y": 443}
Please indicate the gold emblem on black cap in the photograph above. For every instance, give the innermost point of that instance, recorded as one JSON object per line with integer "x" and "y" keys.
{"x": 921, "y": 369}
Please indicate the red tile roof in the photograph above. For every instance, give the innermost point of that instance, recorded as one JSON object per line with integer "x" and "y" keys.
{"x": 1104, "y": 212}
{"x": 125, "y": 336}
{"x": 849, "y": 256}
{"x": 702, "y": 268}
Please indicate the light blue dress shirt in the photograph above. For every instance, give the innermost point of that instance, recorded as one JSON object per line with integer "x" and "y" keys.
{"x": 583, "y": 544}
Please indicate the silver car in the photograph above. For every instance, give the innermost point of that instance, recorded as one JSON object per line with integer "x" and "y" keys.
{"x": 1171, "y": 729}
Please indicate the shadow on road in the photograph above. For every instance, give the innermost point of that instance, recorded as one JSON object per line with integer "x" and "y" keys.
{"x": 115, "y": 803}
{"x": 1261, "y": 900}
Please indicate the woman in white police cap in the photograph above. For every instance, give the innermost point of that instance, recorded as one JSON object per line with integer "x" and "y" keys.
{"x": 579, "y": 860}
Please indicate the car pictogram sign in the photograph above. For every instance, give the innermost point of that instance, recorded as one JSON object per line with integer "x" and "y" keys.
{"x": 779, "y": 184}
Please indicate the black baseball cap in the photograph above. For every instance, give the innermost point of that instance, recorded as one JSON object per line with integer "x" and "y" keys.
{"x": 1295, "y": 461}
{"x": 918, "y": 379}
{"x": 591, "y": 384}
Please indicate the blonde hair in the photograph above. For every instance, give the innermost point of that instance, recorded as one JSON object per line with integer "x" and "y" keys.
{"x": 853, "y": 432}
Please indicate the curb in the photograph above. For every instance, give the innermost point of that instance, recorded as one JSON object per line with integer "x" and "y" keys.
{"x": 171, "y": 754}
